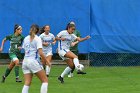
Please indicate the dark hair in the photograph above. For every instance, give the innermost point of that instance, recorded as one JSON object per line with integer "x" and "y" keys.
{"x": 42, "y": 29}
{"x": 70, "y": 25}
{"x": 16, "y": 27}
{"x": 67, "y": 26}
{"x": 34, "y": 28}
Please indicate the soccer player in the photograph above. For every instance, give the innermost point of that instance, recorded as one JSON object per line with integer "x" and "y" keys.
{"x": 14, "y": 51}
{"x": 31, "y": 64}
{"x": 65, "y": 39}
{"x": 48, "y": 40}
{"x": 74, "y": 46}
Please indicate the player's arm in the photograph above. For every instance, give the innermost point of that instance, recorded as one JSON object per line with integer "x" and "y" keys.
{"x": 59, "y": 38}
{"x": 45, "y": 43}
{"x": 74, "y": 43}
{"x": 2, "y": 44}
{"x": 54, "y": 41}
{"x": 82, "y": 39}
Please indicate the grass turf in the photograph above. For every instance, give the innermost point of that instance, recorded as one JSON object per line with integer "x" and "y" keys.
{"x": 97, "y": 80}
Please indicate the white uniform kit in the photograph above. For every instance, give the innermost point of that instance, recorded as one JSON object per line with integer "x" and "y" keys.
{"x": 31, "y": 62}
{"x": 63, "y": 46}
{"x": 47, "y": 50}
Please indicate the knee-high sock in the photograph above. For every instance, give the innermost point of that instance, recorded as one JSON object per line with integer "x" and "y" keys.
{"x": 25, "y": 89}
{"x": 7, "y": 72}
{"x": 76, "y": 62}
{"x": 48, "y": 70}
{"x": 17, "y": 71}
{"x": 44, "y": 88}
{"x": 66, "y": 71}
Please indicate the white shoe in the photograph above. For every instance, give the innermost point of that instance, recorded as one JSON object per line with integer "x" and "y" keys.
{"x": 70, "y": 75}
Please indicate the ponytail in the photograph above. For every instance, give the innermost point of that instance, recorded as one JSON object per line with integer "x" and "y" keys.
{"x": 34, "y": 30}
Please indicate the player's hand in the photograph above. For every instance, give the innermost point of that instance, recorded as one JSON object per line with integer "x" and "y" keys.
{"x": 46, "y": 43}
{"x": 74, "y": 43}
{"x": 63, "y": 39}
{"x": 87, "y": 37}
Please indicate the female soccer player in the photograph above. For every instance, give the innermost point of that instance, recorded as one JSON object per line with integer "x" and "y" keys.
{"x": 33, "y": 46}
{"x": 65, "y": 38}
{"x": 14, "y": 51}
{"x": 48, "y": 40}
{"x": 74, "y": 46}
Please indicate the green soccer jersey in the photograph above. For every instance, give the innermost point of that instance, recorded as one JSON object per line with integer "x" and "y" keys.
{"x": 15, "y": 42}
{"x": 75, "y": 48}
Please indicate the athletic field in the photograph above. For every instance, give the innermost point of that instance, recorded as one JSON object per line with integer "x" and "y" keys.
{"x": 97, "y": 80}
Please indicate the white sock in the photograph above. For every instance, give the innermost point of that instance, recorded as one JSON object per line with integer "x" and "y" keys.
{"x": 44, "y": 88}
{"x": 76, "y": 62}
{"x": 48, "y": 69}
{"x": 66, "y": 71}
{"x": 25, "y": 89}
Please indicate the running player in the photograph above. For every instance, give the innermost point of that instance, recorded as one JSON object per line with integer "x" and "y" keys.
{"x": 31, "y": 64}
{"x": 48, "y": 40}
{"x": 14, "y": 51}
{"x": 65, "y": 39}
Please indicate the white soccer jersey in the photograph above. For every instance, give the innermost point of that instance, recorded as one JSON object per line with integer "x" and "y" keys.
{"x": 66, "y": 43}
{"x": 47, "y": 38}
{"x": 31, "y": 48}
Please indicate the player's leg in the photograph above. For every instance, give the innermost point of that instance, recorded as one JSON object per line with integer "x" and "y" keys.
{"x": 75, "y": 61}
{"x": 7, "y": 72}
{"x": 48, "y": 68}
{"x": 71, "y": 73}
{"x": 76, "y": 53}
{"x": 28, "y": 79}
{"x": 17, "y": 70}
{"x": 71, "y": 55}
{"x": 42, "y": 76}
{"x": 67, "y": 70}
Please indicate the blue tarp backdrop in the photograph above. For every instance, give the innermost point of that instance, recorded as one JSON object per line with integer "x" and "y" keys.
{"x": 113, "y": 24}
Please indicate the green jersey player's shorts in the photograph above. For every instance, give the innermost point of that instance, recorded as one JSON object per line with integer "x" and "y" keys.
{"x": 13, "y": 57}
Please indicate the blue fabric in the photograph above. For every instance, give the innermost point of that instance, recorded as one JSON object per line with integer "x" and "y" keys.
{"x": 56, "y": 13}
{"x": 115, "y": 26}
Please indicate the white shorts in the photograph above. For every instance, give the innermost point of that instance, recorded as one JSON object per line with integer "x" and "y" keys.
{"x": 31, "y": 66}
{"x": 48, "y": 54}
{"x": 62, "y": 53}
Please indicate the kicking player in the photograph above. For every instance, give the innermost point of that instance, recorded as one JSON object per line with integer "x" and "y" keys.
{"x": 14, "y": 51}
{"x": 31, "y": 64}
{"x": 65, "y": 39}
{"x": 74, "y": 46}
{"x": 48, "y": 40}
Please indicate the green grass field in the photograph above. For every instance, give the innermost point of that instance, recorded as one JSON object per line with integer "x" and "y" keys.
{"x": 97, "y": 80}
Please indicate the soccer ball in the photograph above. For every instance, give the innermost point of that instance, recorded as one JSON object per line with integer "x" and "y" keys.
{"x": 80, "y": 67}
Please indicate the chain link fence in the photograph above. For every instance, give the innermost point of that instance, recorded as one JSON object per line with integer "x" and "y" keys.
{"x": 114, "y": 59}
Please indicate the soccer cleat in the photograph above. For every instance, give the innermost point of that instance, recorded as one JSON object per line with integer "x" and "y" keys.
{"x": 3, "y": 79}
{"x": 60, "y": 79}
{"x": 18, "y": 80}
{"x": 81, "y": 72}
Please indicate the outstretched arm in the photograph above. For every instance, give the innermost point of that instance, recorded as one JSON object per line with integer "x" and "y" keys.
{"x": 2, "y": 44}
{"x": 83, "y": 39}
